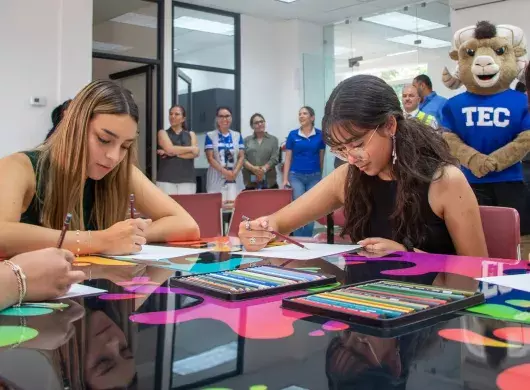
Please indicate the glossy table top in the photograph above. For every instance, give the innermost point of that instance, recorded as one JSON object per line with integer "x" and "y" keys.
{"x": 145, "y": 334}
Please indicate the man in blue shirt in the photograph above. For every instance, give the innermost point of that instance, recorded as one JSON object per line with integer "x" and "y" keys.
{"x": 431, "y": 102}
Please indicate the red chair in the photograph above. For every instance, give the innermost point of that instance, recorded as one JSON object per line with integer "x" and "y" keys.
{"x": 502, "y": 231}
{"x": 206, "y": 210}
{"x": 255, "y": 204}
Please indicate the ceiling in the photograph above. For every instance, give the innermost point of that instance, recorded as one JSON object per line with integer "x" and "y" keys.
{"x": 105, "y": 10}
{"x": 316, "y": 11}
{"x": 367, "y": 39}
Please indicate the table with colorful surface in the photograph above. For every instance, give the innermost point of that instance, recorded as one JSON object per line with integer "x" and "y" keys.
{"x": 145, "y": 334}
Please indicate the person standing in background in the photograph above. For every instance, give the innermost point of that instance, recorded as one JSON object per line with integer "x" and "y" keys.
{"x": 177, "y": 148}
{"x": 225, "y": 152}
{"x": 261, "y": 156}
{"x": 304, "y": 160}
{"x": 431, "y": 102}
{"x": 411, "y": 100}
{"x": 58, "y": 114}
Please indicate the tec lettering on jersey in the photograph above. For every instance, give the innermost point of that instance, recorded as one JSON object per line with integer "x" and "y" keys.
{"x": 487, "y": 116}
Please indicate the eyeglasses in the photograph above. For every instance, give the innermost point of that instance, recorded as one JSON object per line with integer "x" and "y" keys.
{"x": 257, "y": 123}
{"x": 359, "y": 154}
{"x": 224, "y": 116}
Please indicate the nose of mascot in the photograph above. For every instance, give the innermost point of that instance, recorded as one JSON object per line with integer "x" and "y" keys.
{"x": 484, "y": 61}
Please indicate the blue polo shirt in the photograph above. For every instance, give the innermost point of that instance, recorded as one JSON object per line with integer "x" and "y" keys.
{"x": 487, "y": 123}
{"x": 433, "y": 105}
{"x": 306, "y": 151}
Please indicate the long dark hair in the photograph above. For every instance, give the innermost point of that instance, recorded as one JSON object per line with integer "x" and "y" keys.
{"x": 358, "y": 105}
{"x": 183, "y": 112}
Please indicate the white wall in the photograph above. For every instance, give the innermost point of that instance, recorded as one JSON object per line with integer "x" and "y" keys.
{"x": 272, "y": 70}
{"x": 509, "y": 12}
{"x": 45, "y": 53}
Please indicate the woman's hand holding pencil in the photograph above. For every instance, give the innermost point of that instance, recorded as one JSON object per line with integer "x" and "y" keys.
{"x": 255, "y": 235}
{"x": 122, "y": 238}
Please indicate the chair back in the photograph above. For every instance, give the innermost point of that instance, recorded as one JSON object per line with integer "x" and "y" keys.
{"x": 502, "y": 231}
{"x": 205, "y": 210}
{"x": 255, "y": 204}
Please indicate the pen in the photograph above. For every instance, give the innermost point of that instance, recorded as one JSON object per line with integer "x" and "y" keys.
{"x": 286, "y": 238}
{"x": 66, "y": 223}
{"x": 131, "y": 202}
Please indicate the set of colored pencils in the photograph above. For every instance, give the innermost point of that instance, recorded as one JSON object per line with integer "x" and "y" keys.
{"x": 252, "y": 279}
{"x": 383, "y": 299}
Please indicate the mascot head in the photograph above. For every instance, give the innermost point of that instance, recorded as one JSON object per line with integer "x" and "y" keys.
{"x": 489, "y": 58}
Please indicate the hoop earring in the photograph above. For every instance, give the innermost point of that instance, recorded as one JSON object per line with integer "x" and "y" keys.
{"x": 394, "y": 153}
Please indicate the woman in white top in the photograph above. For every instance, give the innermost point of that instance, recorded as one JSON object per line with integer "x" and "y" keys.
{"x": 225, "y": 152}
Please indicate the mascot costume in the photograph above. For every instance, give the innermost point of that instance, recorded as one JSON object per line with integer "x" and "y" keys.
{"x": 488, "y": 126}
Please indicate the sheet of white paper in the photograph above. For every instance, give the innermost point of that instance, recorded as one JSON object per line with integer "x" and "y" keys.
{"x": 80, "y": 290}
{"x": 518, "y": 282}
{"x": 294, "y": 252}
{"x": 155, "y": 253}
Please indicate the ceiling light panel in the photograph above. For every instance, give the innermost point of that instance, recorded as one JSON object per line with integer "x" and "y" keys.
{"x": 204, "y": 25}
{"x": 404, "y": 22}
{"x": 109, "y": 47}
{"x": 137, "y": 20}
{"x": 425, "y": 42}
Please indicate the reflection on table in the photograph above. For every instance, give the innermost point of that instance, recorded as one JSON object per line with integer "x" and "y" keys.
{"x": 145, "y": 334}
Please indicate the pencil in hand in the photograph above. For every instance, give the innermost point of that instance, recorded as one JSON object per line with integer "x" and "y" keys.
{"x": 283, "y": 237}
{"x": 131, "y": 205}
{"x": 66, "y": 223}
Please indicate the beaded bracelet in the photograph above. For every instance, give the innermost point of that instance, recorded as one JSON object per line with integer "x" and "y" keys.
{"x": 21, "y": 281}
{"x": 78, "y": 241}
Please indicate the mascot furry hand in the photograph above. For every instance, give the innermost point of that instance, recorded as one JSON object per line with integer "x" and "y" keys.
{"x": 488, "y": 127}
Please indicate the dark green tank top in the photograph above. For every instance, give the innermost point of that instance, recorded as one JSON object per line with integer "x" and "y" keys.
{"x": 32, "y": 215}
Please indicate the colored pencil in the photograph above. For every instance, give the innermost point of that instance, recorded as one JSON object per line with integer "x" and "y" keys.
{"x": 355, "y": 306}
{"x": 378, "y": 287}
{"x": 367, "y": 289}
{"x": 286, "y": 238}
{"x": 389, "y": 301}
{"x": 292, "y": 273}
{"x": 431, "y": 288}
{"x": 252, "y": 282}
{"x": 210, "y": 285}
{"x": 265, "y": 277}
{"x": 131, "y": 205}
{"x": 296, "y": 279}
{"x": 419, "y": 292}
{"x": 341, "y": 309}
{"x": 228, "y": 282}
{"x": 366, "y": 303}
{"x": 66, "y": 223}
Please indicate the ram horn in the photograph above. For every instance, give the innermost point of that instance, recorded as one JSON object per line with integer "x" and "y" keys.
{"x": 451, "y": 81}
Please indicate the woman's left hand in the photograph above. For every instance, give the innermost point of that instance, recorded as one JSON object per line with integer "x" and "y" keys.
{"x": 376, "y": 247}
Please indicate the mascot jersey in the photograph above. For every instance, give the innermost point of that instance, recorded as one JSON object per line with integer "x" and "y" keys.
{"x": 487, "y": 123}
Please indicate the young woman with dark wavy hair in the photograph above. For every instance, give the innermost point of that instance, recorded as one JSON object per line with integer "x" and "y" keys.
{"x": 401, "y": 189}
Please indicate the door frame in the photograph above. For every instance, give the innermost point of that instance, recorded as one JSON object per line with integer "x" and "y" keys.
{"x": 175, "y": 97}
{"x": 146, "y": 70}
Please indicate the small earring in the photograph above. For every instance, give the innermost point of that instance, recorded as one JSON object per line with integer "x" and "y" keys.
{"x": 394, "y": 153}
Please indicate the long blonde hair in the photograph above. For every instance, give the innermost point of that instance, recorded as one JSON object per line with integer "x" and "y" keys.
{"x": 62, "y": 163}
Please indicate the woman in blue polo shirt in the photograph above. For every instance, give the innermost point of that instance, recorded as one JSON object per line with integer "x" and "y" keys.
{"x": 304, "y": 160}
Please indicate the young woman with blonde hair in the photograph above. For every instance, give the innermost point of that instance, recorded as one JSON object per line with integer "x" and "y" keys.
{"x": 87, "y": 168}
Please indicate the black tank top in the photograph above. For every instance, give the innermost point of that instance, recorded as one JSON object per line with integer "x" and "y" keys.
{"x": 175, "y": 169}
{"x": 32, "y": 215}
{"x": 437, "y": 238}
